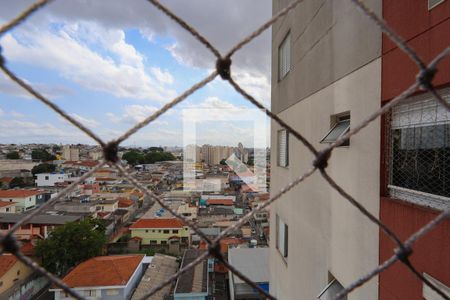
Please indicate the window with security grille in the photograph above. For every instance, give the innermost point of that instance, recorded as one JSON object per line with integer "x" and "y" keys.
{"x": 283, "y": 148}
{"x": 420, "y": 148}
{"x": 284, "y": 57}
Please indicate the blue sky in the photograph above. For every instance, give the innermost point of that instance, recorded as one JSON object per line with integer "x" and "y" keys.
{"x": 109, "y": 71}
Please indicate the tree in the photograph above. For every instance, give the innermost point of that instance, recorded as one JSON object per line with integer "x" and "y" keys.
{"x": 71, "y": 244}
{"x": 133, "y": 157}
{"x": 223, "y": 162}
{"x": 43, "y": 168}
{"x": 17, "y": 182}
{"x": 13, "y": 155}
{"x": 42, "y": 154}
{"x": 250, "y": 162}
{"x": 159, "y": 149}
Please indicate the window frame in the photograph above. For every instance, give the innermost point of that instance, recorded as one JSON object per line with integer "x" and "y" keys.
{"x": 335, "y": 121}
{"x": 414, "y": 114}
{"x": 434, "y": 5}
{"x": 285, "y": 42}
{"x": 286, "y": 159}
{"x": 283, "y": 251}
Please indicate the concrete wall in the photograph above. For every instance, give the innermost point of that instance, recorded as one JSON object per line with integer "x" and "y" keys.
{"x": 18, "y": 272}
{"x": 326, "y": 233}
{"x": 157, "y": 234}
{"x": 329, "y": 40}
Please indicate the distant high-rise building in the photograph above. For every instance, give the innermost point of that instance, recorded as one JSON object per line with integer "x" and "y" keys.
{"x": 70, "y": 153}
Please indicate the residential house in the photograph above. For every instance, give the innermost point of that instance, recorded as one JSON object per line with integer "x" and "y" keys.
{"x": 160, "y": 269}
{"x": 104, "y": 277}
{"x": 196, "y": 282}
{"x": 188, "y": 211}
{"x": 5, "y": 181}
{"x": 50, "y": 179}
{"x": 39, "y": 225}
{"x": 24, "y": 199}
{"x": 18, "y": 281}
{"x": 160, "y": 231}
{"x": 127, "y": 204}
{"x": 7, "y": 207}
{"x": 107, "y": 205}
{"x": 254, "y": 264}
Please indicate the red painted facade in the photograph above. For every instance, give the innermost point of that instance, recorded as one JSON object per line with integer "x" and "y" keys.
{"x": 431, "y": 252}
{"x": 428, "y": 33}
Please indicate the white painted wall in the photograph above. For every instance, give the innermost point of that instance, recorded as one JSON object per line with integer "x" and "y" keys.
{"x": 326, "y": 233}
{"x": 49, "y": 179}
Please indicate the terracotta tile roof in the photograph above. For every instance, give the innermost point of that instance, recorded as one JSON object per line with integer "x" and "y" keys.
{"x": 6, "y": 179}
{"x": 18, "y": 193}
{"x": 105, "y": 179}
{"x": 6, "y": 203}
{"x": 158, "y": 223}
{"x": 103, "y": 271}
{"x": 124, "y": 202}
{"x": 228, "y": 202}
{"x": 7, "y": 261}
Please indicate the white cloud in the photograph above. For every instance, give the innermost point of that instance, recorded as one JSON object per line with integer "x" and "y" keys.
{"x": 85, "y": 121}
{"x": 135, "y": 113}
{"x": 67, "y": 51}
{"x": 163, "y": 77}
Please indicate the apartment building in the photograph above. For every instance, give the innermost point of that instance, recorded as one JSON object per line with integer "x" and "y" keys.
{"x": 415, "y": 152}
{"x": 331, "y": 68}
{"x": 160, "y": 231}
{"x": 326, "y": 73}
{"x": 71, "y": 153}
{"x": 24, "y": 199}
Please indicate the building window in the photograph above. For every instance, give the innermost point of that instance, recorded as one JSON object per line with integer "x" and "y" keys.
{"x": 284, "y": 57}
{"x": 430, "y": 294}
{"x": 153, "y": 242}
{"x": 175, "y": 231}
{"x": 420, "y": 150}
{"x": 90, "y": 293}
{"x": 7, "y": 209}
{"x": 166, "y": 231}
{"x": 163, "y": 242}
{"x": 112, "y": 292}
{"x": 331, "y": 290}
{"x": 18, "y": 272}
{"x": 340, "y": 125}
{"x": 46, "y": 177}
{"x": 146, "y": 230}
{"x": 282, "y": 236}
{"x": 283, "y": 148}
{"x": 433, "y": 3}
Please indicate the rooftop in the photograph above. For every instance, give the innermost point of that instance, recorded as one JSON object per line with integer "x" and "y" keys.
{"x": 227, "y": 202}
{"x": 252, "y": 262}
{"x": 39, "y": 219}
{"x": 195, "y": 279}
{"x": 6, "y": 203}
{"x": 161, "y": 267}
{"x": 18, "y": 193}
{"x": 7, "y": 261}
{"x": 158, "y": 223}
{"x": 103, "y": 271}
